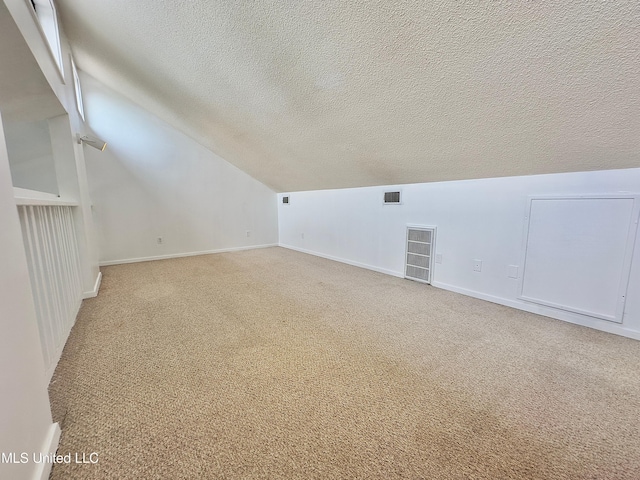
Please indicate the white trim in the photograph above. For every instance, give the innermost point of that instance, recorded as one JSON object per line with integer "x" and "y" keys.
{"x": 49, "y": 446}
{"x": 96, "y": 288}
{"x": 77, "y": 88}
{"x": 56, "y": 56}
{"x": 563, "y": 315}
{"x": 343, "y": 260}
{"x": 24, "y": 196}
{"x": 583, "y": 321}
{"x": 580, "y": 311}
{"x": 186, "y": 254}
{"x": 43, "y": 202}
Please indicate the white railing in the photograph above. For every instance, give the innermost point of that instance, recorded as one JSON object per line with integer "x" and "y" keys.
{"x": 49, "y": 236}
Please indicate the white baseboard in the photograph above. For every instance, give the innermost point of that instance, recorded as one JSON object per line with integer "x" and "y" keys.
{"x": 344, "y": 260}
{"x": 96, "y": 288}
{"x": 50, "y": 445}
{"x": 186, "y": 254}
{"x": 563, "y": 315}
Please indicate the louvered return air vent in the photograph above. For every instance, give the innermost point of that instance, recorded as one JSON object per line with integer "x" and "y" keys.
{"x": 419, "y": 263}
{"x": 392, "y": 197}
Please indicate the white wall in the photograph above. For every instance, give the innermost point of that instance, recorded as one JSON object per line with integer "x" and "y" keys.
{"x": 476, "y": 219}
{"x": 153, "y": 181}
{"x": 25, "y": 417}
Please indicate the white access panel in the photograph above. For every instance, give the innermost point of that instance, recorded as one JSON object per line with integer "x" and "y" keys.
{"x": 577, "y": 253}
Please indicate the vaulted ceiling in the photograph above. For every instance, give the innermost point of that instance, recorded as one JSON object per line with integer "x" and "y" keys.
{"x": 25, "y": 95}
{"x": 313, "y": 94}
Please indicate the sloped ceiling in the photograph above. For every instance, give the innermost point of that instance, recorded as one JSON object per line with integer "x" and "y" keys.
{"x": 321, "y": 94}
{"x": 25, "y": 95}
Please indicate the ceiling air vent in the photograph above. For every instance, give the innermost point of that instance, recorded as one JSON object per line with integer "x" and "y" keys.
{"x": 285, "y": 200}
{"x": 420, "y": 241}
{"x": 391, "y": 197}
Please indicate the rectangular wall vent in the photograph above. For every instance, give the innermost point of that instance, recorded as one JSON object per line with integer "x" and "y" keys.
{"x": 419, "y": 255}
{"x": 285, "y": 200}
{"x": 391, "y": 197}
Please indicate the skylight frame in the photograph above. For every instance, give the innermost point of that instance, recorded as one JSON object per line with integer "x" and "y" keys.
{"x": 47, "y": 20}
{"x": 77, "y": 88}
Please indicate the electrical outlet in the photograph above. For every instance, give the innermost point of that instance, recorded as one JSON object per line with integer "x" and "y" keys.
{"x": 438, "y": 258}
{"x": 159, "y": 240}
{"x": 302, "y": 235}
{"x": 512, "y": 271}
{"x": 477, "y": 265}
{"x": 248, "y": 233}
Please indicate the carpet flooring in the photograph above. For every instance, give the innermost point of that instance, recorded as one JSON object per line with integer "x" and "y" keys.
{"x": 273, "y": 364}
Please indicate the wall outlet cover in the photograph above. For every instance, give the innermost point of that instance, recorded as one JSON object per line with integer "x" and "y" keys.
{"x": 477, "y": 265}
{"x": 512, "y": 271}
{"x": 438, "y": 258}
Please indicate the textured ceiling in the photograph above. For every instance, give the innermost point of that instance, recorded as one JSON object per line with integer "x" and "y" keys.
{"x": 326, "y": 94}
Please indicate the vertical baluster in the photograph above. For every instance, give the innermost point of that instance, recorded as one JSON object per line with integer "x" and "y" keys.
{"x": 53, "y": 258}
{"x": 74, "y": 284}
{"x": 48, "y": 307}
{"x": 74, "y": 253}
{"x": 60, "y": 252}
{"x": 75, "y": 250}
{"x": 51, "y": 284}
{"x": 59, "y": 278}
{"x": 34, "y": 274}
{"x": 72, "y": 295}
{"x": 69, "y": 284}
{"x": 70, "y": 236}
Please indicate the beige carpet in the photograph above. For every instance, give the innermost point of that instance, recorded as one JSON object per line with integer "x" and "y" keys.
{"x": 274, "y": 364}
